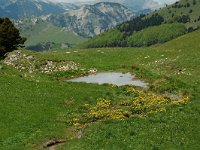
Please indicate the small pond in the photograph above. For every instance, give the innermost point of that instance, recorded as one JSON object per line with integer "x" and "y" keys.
{"x": 116, "y": 78}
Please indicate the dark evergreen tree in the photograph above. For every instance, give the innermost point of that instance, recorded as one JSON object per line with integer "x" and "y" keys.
{"x": 199, "y": 18}
{"x": 10, "y": 38}
{"x": 184, "y": 19}
{"x": 188, "y": 4}
{"x": 194, "y": 2}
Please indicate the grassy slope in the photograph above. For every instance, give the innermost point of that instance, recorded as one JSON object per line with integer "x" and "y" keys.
{"x": 168, "y": 11}
{"x": 156, "y": 34}
{"x": 56, "y": 35}
{"x": 32, "y": 112}
{"x": 46, "y": 32}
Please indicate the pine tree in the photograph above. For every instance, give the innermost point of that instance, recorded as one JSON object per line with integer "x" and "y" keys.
{"x": 10, "y": 38}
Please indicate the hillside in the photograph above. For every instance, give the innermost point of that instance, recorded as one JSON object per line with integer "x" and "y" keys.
{"x": 185, "y": 12}
{"x": 39, "y": 109}
{"x": 42, "y": 35}
{"x": 188, "y": 41}
{"x": 155, "y": 34}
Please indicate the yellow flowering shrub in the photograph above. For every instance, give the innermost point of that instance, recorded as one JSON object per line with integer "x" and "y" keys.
{"x": 103, "y": 103}
{"x": 141, "y": 104}
{"x": 126, "y": 102}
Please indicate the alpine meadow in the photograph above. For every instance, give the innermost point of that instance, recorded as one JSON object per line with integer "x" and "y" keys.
{"x": 44, "y": 50}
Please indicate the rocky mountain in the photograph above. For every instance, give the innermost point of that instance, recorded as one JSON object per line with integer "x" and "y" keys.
{"x": 17, "y": 9}
{"x": 134, "y": 5}
{"x": 87, "y": 20}
{"x": 67, "y": 6}
{"x": 140, "y": 5}
{"x": 91, "y": 20}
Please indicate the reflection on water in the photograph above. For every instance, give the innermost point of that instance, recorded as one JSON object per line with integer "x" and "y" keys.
{"x": 118, "y": 79}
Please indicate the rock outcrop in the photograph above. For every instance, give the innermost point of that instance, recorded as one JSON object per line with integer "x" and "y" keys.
{"x": 31, "y": 64}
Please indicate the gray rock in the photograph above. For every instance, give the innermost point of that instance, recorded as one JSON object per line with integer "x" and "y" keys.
{"x": 92, "y": 19}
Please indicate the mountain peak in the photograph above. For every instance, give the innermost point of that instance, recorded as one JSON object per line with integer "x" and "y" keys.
{"x": 93, "y": 19}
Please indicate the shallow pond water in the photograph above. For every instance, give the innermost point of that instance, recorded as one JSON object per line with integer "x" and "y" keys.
{"x": 116, "y": 78}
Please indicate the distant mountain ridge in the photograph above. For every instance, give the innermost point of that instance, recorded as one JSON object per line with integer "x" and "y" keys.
{"x": 18, "y": 9}
{"x": 134, "y": 5}
{"x": 93, "y": 19}
{"x": 139, "y": 5}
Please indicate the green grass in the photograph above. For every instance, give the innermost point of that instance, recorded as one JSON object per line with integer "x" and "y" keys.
{"x": 33, "y": 108}
{"x": 56, "y": 35}
{"x": 156, "y": 34}
{"x": 41, "y": 32}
